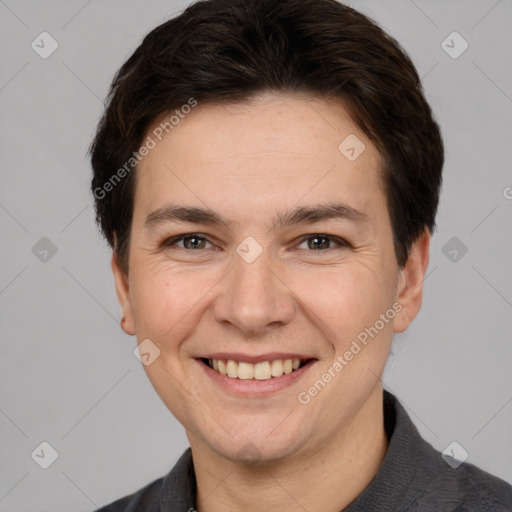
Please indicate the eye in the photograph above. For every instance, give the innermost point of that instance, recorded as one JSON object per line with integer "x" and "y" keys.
{"x": 322, "y": 242}
{"x": 191, "y": 241}
{"x": 317, "y": 242}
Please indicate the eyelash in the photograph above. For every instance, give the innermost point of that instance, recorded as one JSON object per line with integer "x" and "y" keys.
{"x": 342, "y": 244}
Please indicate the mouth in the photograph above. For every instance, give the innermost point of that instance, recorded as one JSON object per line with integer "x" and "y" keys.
{"x": 261, "y": 371}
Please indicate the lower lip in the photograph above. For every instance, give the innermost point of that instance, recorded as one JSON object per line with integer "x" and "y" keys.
{"x": 253, "y": 387}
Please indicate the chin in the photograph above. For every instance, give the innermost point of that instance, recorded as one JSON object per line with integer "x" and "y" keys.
{"x": 253, "y": 445}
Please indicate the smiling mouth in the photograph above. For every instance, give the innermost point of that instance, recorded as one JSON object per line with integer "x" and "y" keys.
{"x": 264, "y": 370}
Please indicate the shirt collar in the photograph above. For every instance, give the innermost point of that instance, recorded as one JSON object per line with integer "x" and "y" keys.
{"x": 406, "y": 467}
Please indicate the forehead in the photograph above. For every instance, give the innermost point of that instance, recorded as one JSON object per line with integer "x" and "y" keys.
{"x": 260, "y": 155}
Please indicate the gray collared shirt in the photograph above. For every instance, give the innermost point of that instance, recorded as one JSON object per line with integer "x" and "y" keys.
{"x": 412, "y": 477}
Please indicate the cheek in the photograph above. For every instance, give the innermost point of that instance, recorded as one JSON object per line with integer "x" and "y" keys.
{"x": 347, "y": 297}
{"x": 168, "y": 303}
{"x": 161, "y": 302}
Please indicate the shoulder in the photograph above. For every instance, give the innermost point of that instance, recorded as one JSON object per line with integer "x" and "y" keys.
{"x": 173, "y": 492}
{"x": 426, "y": 480}
{"x": 144, "y": 500}
{"x": 482, "y": 491}
{"x": 466, "y": 488}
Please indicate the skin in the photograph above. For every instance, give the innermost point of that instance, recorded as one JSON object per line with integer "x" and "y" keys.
{"x": 248, "y": 162}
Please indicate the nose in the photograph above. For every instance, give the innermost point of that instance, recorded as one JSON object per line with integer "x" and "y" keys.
{"x": 253, "y": 297}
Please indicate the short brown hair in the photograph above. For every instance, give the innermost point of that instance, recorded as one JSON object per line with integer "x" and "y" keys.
{"x": 230, "y": 50}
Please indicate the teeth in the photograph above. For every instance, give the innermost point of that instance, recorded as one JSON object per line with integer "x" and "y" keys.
{"x": 232, "y": 367}
{"x": 264, "y": 370}
{"x": 277, "y": 368}
{"x": 245, "y": 371}
{"x": 222, "y": 366}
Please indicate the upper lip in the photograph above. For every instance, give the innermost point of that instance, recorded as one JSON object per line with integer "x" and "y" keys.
{"x": 246, "y": 358}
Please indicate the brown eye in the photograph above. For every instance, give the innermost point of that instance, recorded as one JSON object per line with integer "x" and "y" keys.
{"x": 321, "y": 242}
{"x": 193, "y": 242}
{"x": 190, "y": 242}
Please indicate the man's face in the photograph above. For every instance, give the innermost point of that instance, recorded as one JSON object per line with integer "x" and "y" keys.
{"x": 262, "y": 284}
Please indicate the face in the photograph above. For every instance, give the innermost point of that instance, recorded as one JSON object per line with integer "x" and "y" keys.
{"x": 256, "y": 240}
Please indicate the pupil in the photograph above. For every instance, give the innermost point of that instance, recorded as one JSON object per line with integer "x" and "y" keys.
{"x": 193, "y": 242}
{"x": 315, "y": 245}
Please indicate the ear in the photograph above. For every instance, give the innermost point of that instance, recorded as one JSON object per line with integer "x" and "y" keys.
{"x": 123, "y": 296}
{"x": 410, "y": 282}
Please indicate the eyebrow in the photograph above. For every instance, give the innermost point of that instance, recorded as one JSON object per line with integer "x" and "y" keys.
{"x": 299, "y": 215}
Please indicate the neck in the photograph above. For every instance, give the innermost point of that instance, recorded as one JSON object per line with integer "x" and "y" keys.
{"x": 327, "y": 478}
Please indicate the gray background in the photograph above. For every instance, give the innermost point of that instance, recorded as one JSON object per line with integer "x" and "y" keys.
{"x": 68, "y": 375}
